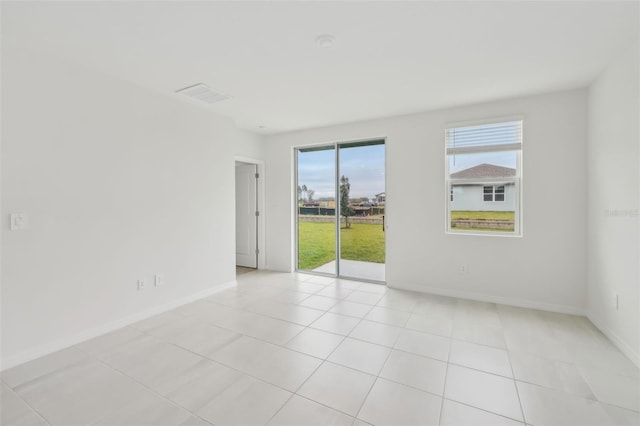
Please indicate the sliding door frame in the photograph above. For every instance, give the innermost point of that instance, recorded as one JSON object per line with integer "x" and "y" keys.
{"x": 337, "y": 219}
{"x": 296, "y": 209}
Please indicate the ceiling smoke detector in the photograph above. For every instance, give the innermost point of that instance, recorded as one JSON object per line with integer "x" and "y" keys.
{"x": 203, "y": 93}
{"x": 325, "y": 40}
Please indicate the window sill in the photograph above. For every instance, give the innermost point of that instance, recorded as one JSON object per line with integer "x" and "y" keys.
{"x": 486, "y": 233}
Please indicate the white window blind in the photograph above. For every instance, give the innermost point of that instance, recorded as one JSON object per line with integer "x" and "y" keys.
{"x": 506, "y": 136}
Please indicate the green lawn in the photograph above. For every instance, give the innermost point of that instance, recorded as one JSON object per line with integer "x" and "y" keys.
{"x": 316, "y": 244}
{"x": 482, "y": 215}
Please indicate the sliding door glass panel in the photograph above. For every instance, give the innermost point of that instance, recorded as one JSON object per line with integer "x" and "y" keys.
{"x": 316, "y": 209}
{"x": 361, "y": 180}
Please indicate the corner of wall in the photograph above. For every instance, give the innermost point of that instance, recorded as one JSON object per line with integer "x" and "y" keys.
{"x": 613, "y": 158}
{"x": 625, "y": 348}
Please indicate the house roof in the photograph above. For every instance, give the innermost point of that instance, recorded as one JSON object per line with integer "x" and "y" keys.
{"x": 484, "y": 171}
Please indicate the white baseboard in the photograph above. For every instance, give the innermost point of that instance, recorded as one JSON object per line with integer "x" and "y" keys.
{"x": 49, "y": 348}
{"x": 624, "y": 347}
{"x": 480, "y": 297}
{"x": 268, "y": 268}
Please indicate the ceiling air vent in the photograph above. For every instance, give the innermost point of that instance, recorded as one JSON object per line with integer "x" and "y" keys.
{"x": 203, "y": 93}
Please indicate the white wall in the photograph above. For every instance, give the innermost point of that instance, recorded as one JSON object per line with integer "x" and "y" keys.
{"x": 614, "y": 186}
{"x": 119, "y": 183}
{"x": 545, "y": 268}
{"x": 471, "y": 198}
{"x": 249, "y": 147}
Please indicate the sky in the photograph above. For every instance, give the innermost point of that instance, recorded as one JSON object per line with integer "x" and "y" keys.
{"x": 363, "y": 165}
{"x": 365, "y": 168}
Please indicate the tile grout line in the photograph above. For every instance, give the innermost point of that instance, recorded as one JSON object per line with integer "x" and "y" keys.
{"x": 326, "y": 360}
{"x": 294, "y": 393}
{"x": 146, "y": 332}
{"x": 466, "y": 404}
{"x": 280, "y": 409}
{"x": 377, "y": 377}
{"x": 446, "y": 375}
{"x": 205, "y": 357}
{"x": 515, "y": 383}
{"x": 481, "y": 371}
{"x": 143, "y": 385}
{"x": 208, "y": 358}
{"x": 33, "y": 409}
{"x": 323, "y": 361}
{"x": 281, "y": 345}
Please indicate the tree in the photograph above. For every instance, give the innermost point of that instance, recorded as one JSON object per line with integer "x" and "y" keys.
{"x": 302, "y": 191}
{"x": 345, "y": 209}
{"x": 310, "y": 193}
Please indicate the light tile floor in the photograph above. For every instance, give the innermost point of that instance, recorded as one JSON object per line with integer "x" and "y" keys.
{"x": 355, "y": 269}
{"x": 293, "y": 349}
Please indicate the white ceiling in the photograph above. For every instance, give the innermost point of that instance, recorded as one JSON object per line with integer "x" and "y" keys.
{"x": 389, "y": 58}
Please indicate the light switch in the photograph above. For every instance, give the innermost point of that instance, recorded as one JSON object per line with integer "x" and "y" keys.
{"x": 19, "y": 221}
{"x": 159, "y": 280}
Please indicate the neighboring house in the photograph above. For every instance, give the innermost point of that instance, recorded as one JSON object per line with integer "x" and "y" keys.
{"x": 491, "y": 195}
{"x": 381, "y": 197}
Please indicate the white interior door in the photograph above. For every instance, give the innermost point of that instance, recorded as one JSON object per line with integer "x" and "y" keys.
{"x": 246, "y": 218}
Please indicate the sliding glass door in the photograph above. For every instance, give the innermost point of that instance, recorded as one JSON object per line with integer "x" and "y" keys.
{"x": 316, "y": 207}
{"x": 362, "y": 201}
{"x": 340, "y": 209}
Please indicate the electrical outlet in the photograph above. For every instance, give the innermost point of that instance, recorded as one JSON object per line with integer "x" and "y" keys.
{"x": 159, "y": 280}
{"x": 19, "y": 221}
{"x": 462, "y": 268}
{"x": 141, "y": 285}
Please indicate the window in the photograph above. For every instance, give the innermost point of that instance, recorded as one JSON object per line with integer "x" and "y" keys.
{"x": 493, "y": 193}
{"x": 484, "y": 172}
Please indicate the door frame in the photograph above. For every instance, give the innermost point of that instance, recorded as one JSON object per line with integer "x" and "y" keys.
{"x": 260, "y": 191}
{"x": 336, "y": 147}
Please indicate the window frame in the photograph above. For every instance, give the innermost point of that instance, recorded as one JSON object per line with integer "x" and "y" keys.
{"x": 502, "y": 181}
{"x": 485, "y": 193}
{"x": 494, "y": 192}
